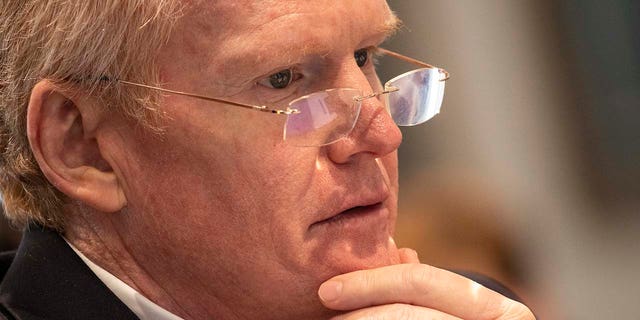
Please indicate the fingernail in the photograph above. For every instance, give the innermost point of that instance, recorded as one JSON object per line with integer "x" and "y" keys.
{"x": 330, "y": 290}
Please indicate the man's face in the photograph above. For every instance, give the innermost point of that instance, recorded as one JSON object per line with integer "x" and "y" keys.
{"x": 220, "y": 202}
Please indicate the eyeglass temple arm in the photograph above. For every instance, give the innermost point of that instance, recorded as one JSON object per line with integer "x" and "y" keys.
{"x": 414, "y": 61}
{"x": 187, "y": 94}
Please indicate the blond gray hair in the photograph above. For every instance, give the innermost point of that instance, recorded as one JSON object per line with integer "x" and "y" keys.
{"x": 73, "y": 43}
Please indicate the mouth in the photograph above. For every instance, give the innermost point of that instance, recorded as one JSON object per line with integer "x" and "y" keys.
{"x": 351, "y": 215}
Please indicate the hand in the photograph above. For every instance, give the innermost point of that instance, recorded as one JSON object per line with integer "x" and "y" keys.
{"x": 415, "y": 291}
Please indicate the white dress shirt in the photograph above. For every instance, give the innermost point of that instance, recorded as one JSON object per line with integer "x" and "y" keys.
{"x": 139, "y": 304}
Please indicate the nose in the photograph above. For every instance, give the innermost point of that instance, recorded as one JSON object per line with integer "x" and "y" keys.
{"x": 375, "y": 134}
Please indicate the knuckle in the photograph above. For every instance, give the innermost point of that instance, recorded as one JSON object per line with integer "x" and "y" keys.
{"x": 417, "y": 277}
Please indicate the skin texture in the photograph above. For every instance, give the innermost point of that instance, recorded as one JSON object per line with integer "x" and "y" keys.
{"x": 235, "y": 203}
{"x": 237, "y": 192}
{"x": 218, "y": 217}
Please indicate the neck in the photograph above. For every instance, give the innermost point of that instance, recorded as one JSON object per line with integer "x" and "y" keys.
{"x": 100, "y": 237}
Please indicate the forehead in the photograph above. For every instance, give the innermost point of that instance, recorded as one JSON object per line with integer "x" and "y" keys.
{"x": 228, "y": 17}
{"x": 223, "y": 32}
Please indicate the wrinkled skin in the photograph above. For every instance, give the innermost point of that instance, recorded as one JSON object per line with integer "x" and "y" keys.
{"x": 235, "y": 202}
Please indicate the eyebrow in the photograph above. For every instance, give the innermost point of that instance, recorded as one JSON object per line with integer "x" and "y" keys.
{"x": 382, "y": 31}
{"x": 391, "y": 25}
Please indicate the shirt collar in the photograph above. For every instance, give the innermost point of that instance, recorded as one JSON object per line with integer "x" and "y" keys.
{"x": 139, "y": 304}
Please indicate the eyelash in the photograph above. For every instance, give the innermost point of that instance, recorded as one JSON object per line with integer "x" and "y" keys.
{"x": 295, "y": 76}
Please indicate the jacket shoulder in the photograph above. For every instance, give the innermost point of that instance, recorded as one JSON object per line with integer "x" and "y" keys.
{"x": 6, "y": 258}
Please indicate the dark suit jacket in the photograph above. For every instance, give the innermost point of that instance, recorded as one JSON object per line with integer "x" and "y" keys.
{"x": 45, "y": 279}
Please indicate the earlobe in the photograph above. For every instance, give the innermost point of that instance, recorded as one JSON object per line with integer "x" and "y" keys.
{"x": 61, "y": 132}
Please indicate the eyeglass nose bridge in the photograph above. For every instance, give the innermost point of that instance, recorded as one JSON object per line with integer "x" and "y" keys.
{"x": 375, "y": 94}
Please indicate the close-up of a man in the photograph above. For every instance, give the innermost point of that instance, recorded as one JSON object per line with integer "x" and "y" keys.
{"x": 213, "y": 160}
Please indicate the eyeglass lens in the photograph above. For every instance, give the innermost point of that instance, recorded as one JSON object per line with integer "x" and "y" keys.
{"x": 327, "y": 116}
{"x": 323, "y": 117}
{"x": 418, "y": 98}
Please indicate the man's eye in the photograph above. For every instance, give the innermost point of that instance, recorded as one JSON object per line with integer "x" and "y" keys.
{"x": 278, "y": 80}
{"x": 361, "y": 56}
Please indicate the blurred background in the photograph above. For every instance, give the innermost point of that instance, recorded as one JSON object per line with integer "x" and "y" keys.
{"x": 531, "y": 171}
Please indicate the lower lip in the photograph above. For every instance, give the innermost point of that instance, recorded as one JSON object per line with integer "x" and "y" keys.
{"x": 355, "y": 218}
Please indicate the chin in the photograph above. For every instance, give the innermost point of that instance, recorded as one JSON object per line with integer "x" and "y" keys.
{"x": 345, "y": 257}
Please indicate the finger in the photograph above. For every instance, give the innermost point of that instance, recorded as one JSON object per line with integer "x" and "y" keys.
{"x": 408, "y": 255}
{"x": 395, "y": 311}
{"x": 421, "y": 285}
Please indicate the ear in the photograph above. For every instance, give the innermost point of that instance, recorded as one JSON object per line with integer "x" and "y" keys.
{"x": 61, "y": 132}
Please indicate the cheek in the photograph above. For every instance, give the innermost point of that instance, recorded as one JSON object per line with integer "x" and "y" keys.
{"x": 230, "y": 175}
{"x": 231, "y": 194}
